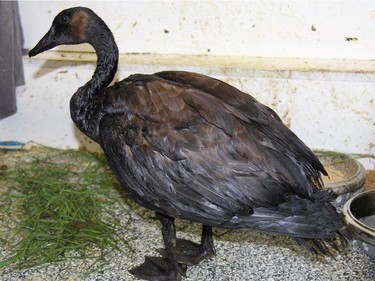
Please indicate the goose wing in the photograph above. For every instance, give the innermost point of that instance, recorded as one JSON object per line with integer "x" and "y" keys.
{"x": 193, "y": 147}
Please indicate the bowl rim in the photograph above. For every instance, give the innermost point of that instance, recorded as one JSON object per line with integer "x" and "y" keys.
{"x": 354, "y": 182}
{"x": 351, "y": 219}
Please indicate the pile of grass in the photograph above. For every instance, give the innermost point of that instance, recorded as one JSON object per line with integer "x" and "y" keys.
{"x": 61, "y": 206}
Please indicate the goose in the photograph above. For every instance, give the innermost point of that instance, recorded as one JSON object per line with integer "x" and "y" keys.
{"x": 191, "y": 147}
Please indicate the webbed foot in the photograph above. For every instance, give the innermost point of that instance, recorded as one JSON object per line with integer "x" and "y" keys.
{"x": 156, "y": 269}
{"x": 190, "y": 253}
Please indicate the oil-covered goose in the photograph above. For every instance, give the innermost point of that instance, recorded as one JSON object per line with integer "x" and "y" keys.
{"x": 192, "y": 147}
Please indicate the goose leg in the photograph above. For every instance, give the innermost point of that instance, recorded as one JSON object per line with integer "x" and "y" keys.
{"x": 162, "y": 268}
{"x": 190, "y": 253}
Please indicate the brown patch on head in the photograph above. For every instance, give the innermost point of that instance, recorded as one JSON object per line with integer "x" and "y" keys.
{"x": 79, "y": 25}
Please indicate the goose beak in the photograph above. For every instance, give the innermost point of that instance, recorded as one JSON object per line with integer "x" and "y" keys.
{"x": 47, "y": 42}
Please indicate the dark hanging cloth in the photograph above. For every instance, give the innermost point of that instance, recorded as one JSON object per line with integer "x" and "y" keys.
{"x": 11, "y": 69}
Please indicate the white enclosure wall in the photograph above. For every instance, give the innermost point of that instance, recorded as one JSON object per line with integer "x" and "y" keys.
{"x": 299, "y": 28}
{"x": 313, "y": 62}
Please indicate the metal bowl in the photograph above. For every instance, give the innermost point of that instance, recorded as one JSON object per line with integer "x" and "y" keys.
{"x": 346, "y": 175}
{"x": 359, "y": 214}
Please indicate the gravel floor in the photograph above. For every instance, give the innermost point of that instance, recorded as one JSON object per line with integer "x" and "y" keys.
{"x": 240, "y": 255}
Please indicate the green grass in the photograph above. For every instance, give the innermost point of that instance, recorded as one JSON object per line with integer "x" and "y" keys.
{"x": 61, "y": 206}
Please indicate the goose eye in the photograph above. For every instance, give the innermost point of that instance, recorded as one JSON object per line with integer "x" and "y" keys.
{"x": 64, "y": 19}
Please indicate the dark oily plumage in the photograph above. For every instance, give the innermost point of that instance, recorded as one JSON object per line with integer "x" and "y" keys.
{"x": 192, "y": 147}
